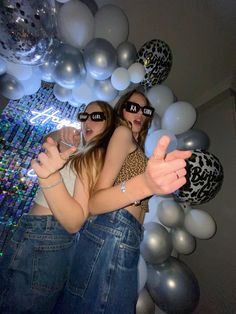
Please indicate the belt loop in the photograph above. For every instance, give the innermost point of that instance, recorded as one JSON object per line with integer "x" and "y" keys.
{"x": 48, "y": 223}
{"x": 113, "y": 216}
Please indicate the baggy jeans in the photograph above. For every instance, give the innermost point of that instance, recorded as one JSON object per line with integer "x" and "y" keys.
{"x": 35, "y": 265}
{"x": 104, "y": 272}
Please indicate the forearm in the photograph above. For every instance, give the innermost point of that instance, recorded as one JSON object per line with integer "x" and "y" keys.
{"x": 113, "y": 198}
{"x": 64, "y": 207}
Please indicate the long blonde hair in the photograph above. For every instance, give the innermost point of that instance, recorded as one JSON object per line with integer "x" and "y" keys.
{"x": 118, "y": 109}
{"x": 90, "y": 158}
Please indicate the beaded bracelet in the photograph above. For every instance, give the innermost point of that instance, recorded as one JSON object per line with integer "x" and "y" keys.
{"x": 51, "y": 185}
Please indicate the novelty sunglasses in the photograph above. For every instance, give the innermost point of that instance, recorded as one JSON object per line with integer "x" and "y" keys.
{"x": 133, "y": 107}
{"x": 94, "y": 116}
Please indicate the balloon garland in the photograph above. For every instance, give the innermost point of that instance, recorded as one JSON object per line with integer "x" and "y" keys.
{"x": 87, "y": 57}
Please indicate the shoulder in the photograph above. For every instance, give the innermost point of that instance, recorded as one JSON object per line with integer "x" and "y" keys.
{"x": 123, "y": 132}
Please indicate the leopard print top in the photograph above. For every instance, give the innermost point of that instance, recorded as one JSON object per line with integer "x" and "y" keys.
{"x": 134, "y": 164}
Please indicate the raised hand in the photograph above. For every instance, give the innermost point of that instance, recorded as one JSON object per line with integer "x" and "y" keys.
{"x": 69, "y": 136}
{"x": 52, "y": 160}
{"x": 165, "y": 173}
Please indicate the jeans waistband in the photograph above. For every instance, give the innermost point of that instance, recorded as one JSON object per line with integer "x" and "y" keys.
{"x": 42, "y": 222}
{"x": 122, "y": 215}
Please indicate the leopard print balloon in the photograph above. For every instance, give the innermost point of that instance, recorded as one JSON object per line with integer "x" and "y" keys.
{"x": 156, "y": 57}
{"x": 204, "y": 179}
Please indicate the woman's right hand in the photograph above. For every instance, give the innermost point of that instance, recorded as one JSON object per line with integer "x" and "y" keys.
{"x": 69, "y": 136}
{"x": 50, "y": 161}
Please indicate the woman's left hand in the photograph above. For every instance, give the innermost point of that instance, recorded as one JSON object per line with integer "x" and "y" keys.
{"x": 52, "y": 160}
{"x": 166, "y": 173}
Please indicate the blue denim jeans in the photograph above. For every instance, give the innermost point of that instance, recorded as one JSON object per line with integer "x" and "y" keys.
{"x": 103, "y": 277}
{"x": 35, "y": 265}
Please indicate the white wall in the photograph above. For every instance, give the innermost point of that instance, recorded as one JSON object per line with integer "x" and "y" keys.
{"x": 214, "y": 261}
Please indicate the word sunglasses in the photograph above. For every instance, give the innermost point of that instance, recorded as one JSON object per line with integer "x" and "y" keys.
{"x": 96, "y": 116}
{"x": 133, "y": 107}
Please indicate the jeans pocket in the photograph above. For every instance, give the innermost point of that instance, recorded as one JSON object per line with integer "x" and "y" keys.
{"x": 129, "y": 250}
{"x": 83, "y": 264}
{"x": 51, "y": 266}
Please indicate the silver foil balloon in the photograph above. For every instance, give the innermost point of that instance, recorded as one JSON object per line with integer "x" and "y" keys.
{"x": 156, "y": 245}
{"x": 61, "y": 93}
{"x": 10, "y": 87}
{"x": 170, "y": 213}
{"x": 145, "y": 304}
{"x": 193, "y": 139}
{"x": 104, "y": 90}
{"x": 69, "y": 69}
{"x": 27, "y": 29}
{"x": 173, "y": 286}
{"x": 126, "y": 54}
{"x": 100, "y": 58}
{"x": 183, "y": 242}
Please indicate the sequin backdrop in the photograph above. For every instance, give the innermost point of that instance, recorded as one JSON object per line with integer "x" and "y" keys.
{"x": 21, "y": 134}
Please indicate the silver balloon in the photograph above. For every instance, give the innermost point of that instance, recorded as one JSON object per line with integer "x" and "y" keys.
{"x": 61, "y": 93}
{"x": 156, "y": 245}
{"x": 92, "y": 5}
{"x": 145, "y": 304}
{"x": 170, "y": 213}
{"x": 3, "y": 66}
{"x": 183, "y": 242}
{"x": 126, "y": 54}
{"x": 10, "y": 87}
{"x": 193, "y": 139}
{"x": 173, "y": 286}
{"x": 69, "y": 69}
{"x": 48, "y": 65}
{"x": 104, "y": 90}
{"x": 27, "y": 29}
{"x": 100, "y": 58}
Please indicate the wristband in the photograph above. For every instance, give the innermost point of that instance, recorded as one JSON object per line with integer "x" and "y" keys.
{"x": 51, "y": 185}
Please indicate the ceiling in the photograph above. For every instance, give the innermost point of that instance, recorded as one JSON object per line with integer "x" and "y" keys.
{"x": 201, "y": 36}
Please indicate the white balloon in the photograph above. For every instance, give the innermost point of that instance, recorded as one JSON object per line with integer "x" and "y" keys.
{"x": 179, "y": 117}
{"x": 160, "y": 96}
{"x": 142, "y": 273}
{"x": 154, "y": 137}
{"x": 136, "y": 72}
{"x": 75, "y": 23}
{"x": 112, "y": 24}
{"x": 82, "y": 93}
{"x": 74, "y": 103}
{"x": 200, "y": 224}
{"x": 104, "y": 90}
{"x": 33, "y": 84}
{"x": 19, "y": 71}
{"x": 156, "y": 123}
{"x": 120, "y": 78}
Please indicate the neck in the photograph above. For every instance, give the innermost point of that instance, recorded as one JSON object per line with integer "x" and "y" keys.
{"x": 135, "y": 135}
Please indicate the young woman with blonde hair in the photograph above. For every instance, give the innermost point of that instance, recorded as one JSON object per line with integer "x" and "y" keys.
{"x": 35, "y": 265}
{"x": 103, "y": 275}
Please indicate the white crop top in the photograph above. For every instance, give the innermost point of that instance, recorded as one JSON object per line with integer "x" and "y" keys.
{"x": 68, "y": 176}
